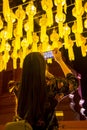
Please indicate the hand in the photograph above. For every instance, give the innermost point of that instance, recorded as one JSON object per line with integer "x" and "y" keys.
{"x": 58, "y": 58}
{"x": 57, "y": 55}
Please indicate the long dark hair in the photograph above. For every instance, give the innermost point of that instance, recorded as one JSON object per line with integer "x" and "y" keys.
{"x": 32, "y": 94}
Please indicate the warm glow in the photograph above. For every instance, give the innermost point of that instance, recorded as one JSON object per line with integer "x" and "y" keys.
{"x": 19, "y": 29}
{"x": 85, "y": 23}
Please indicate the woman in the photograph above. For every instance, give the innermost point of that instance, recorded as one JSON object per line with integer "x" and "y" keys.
{"x": 34, "y": 103}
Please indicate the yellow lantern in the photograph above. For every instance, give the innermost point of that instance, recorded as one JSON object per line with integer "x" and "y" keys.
{"x": 6, "y": 9}
{"x": 10, "y": 21}
{"x": 17, "y": 39}
{"x": 74, "y": 27}
{"x": 66, "y": 32}
{"x": 47, "y": 6}
{"x": 23, "y": 1}
{"x": 31, "y": 11}
{"x": 28, "y": 30}
{"x": 60, "y": 23}
{"x": 85, "y": 22}
{"x": 77, "y": 35}
{"x": 45, "y": 43}
{"x": 6, "y": 55}
{"x": 35, "y": 41}
{"x": 4, "y": 36}
{"x": 1, "y": 23}
{"x": 14, "y": 57}
{"x": 24, "y": 46}
{"x": 49, "y": 60}
{"x": 43, "y": 24}
{"x": 44, "y": 4}
{"x": 85, "y": 7}
{"x": 20, "y": 14}
{"x": 77, "y": 12}
{"x": 70, "y": 50}
{"x": 83, "y": 46}
{"x": 56, "y": 2}
{"x": 54, "y": 37}
{"x": 1, "y": 62}
{"x": 26, "y": 26}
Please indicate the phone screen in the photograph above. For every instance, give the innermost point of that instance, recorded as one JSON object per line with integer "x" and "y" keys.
{"x": 48, "y": 54}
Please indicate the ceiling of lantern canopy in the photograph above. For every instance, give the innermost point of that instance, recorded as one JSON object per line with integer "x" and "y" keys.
{"x": 80, "y": 62}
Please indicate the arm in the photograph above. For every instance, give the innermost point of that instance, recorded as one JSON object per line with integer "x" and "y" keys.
{"x": 59, "y": 60}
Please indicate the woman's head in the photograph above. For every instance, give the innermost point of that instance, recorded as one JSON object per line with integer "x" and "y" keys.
{"x": 32, "y": 89}
{"x": 34, "y": 68}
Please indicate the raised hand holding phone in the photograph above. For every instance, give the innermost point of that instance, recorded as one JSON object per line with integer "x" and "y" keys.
{"x": 57, "y": 55}
{"x": 48, "y": 54}
{"x": 58, "y": 58}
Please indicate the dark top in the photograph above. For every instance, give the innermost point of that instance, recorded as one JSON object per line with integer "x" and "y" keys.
{"x": 50, "y": 121}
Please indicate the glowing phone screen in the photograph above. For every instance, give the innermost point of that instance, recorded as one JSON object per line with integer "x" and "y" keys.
{"x": 48, "y": 54}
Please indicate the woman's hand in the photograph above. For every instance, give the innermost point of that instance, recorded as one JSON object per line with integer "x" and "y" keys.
{"x": 58, "y": 58}
{"x": 57, "y": 55}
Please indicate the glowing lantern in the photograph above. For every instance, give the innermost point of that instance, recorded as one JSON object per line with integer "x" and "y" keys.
{"x": 4, "y": 36}
{"x": 31, "y": 11}
{"x": 66, "y": 32}
{"x": 83, "y": 47}
{"x": 74, "y": 27}
{"x": 70, "y": 50}
{"x": 20, "y": 55}
{"x": 54, "y": 37}
{"x": 20, "y": 14}
{"x": 1, "y": 23}
{"x": 45, "y": 43}
{"x": 6, "y": 9}
{"x": 14, "y": 57}
{"x": 17, "y": 39}
{"x": 77, "y": 35}
{"x": 49, "y": 60}
{"x": 1, "y": 62}
{"x": 24, "y": 45}
{"x": 77, "y": 12}
{"x": 23, "y": 1}
{"x": 29, "y": 32}
{"x": 35, "y": 41}
{"x": 6, "y": 55}
{"x": 60, "y": 23}
{"x": 79, "y": 8}
{"x": 60, "y": 16}
{"x": 44, "y": 4}
{"x": 56, "y": 2}
{"x": 85, "y": 7}
{"x": 43, "y": 24}
{"x": 47, "y": 6}
{"x": 10, "y": 20}
{"x": 85, "y": 22}
{"x": 8, "y": 16}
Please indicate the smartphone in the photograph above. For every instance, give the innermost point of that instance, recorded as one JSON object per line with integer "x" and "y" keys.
{"x": 48, "y": 54}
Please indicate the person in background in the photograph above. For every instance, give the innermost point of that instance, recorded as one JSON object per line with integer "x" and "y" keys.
{"x": 75, "y": 95}
{"x": 13, "y": 87}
